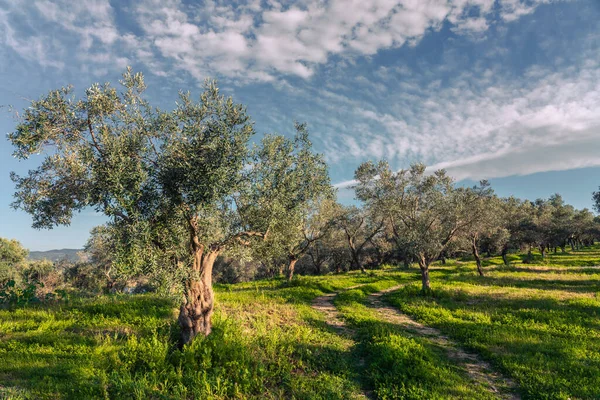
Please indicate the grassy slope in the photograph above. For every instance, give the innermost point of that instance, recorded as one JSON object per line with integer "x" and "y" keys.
{"x": 537, "y": 324}
{"x": 398, "y": 364}
{"x": 267, "y": 343}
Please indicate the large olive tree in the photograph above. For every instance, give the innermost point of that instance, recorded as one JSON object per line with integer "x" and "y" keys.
{"x": 172, "y": 183}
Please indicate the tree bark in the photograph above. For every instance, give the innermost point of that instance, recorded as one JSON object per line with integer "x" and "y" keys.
{"x": 110, "y": 282}
{"x": 504, "y": 255}
{"x": 424, "y": 266}
{"x": 543, "y": 251}
{"x": 356, "y": 261}
{"x": 195, "y": 314}
{"x": 529, "y": 257}
{"x": 291, "y": 266}
{"x": 476, "y": 255}
{"x": 355, "y": 253}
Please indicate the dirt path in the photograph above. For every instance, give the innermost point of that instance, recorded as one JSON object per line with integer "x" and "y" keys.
{"x": 325, "y": 305}
{"x": 479, "y": 370}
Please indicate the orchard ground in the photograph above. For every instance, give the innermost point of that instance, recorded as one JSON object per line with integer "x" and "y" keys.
{"x": 535, "y": 327}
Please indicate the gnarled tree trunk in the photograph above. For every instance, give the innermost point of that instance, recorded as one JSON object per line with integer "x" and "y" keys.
{"x": 424, "y": 266}
{"x": 476, "y": 255}
{"x": 195, "y": 314}
{"x": 505, "y": 254}
{"x": 291, "y": 266}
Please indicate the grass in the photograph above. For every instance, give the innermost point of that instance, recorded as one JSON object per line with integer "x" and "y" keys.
{"x": 399, "y": 365}
{"x": 538, "y": 324}
{"x": 267, "y": 342}
{"x": 535, "y": 323}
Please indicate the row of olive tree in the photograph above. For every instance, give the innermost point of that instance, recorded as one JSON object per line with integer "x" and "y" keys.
{"x": 412, "y": 216}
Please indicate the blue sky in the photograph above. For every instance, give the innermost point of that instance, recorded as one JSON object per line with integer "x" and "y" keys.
{"x": 507, "y": 90}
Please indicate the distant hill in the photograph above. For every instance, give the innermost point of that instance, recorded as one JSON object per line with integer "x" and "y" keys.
{"x": 55, "y": 255}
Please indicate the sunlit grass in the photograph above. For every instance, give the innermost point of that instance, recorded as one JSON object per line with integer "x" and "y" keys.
{"x": 267, "y": 343}
{"x": 540, "y": 326}
{"x": 536, "y": 323}
{"x": 399, "y": 365}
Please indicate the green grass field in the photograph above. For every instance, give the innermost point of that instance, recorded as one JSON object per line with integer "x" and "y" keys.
{"x": 536, "y": 324}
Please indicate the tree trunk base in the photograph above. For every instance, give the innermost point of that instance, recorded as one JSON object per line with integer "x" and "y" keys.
{"x": 193, "y": 323}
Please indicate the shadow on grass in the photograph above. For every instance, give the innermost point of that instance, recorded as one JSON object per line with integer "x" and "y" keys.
{"x": 399, "y": 363}
{"x": 540, "y": 342}
{"x": 574, "y": 286}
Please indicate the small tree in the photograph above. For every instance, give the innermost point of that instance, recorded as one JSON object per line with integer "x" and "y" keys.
{"x": 583, "y": 224}
{"x": 359, "y": 229}
{"x": 101, "y": 251}
{"x": 562, "y": 227}
{"x": 487, "y": 221}
{"x": 515, "y": 214}
{"x": 291, "y": 197}
{"x": 12, "y": 253}
{"x": 596, "y": 200}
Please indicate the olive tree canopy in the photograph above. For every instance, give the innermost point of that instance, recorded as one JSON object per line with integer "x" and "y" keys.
{"x": 290, "y": 196}
{"x": 427, "y": 212}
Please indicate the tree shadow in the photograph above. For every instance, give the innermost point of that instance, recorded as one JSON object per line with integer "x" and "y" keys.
{"x": 574, "y": 286}
{"x": 537, "y": 341}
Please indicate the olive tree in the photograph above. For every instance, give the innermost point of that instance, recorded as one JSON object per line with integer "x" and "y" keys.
{"x": 100, "y": 249}
{"x": 515, "y": 213}
{"x": 291, "y": 196}
{"x": 596, "y": 200}
{"x": 169, "y": 181}
{"x": 427, "y": 208}
{"x": 12, "y": 253}
{"x": 562, "y": 227}
{"x": 359, "y": 228}
{"x": 487, "y": 221}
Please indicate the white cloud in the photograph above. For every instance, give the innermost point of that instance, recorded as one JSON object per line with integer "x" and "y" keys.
{"x": 578, "y": 150}
{"x": 483, "y": 127}
{"x": 251, "y": 43}
{"x": 59, "y": 33}
{"x": 33, "y": 49}
{"x": 248, "y": 42}
{"x": 480, "y": 112}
